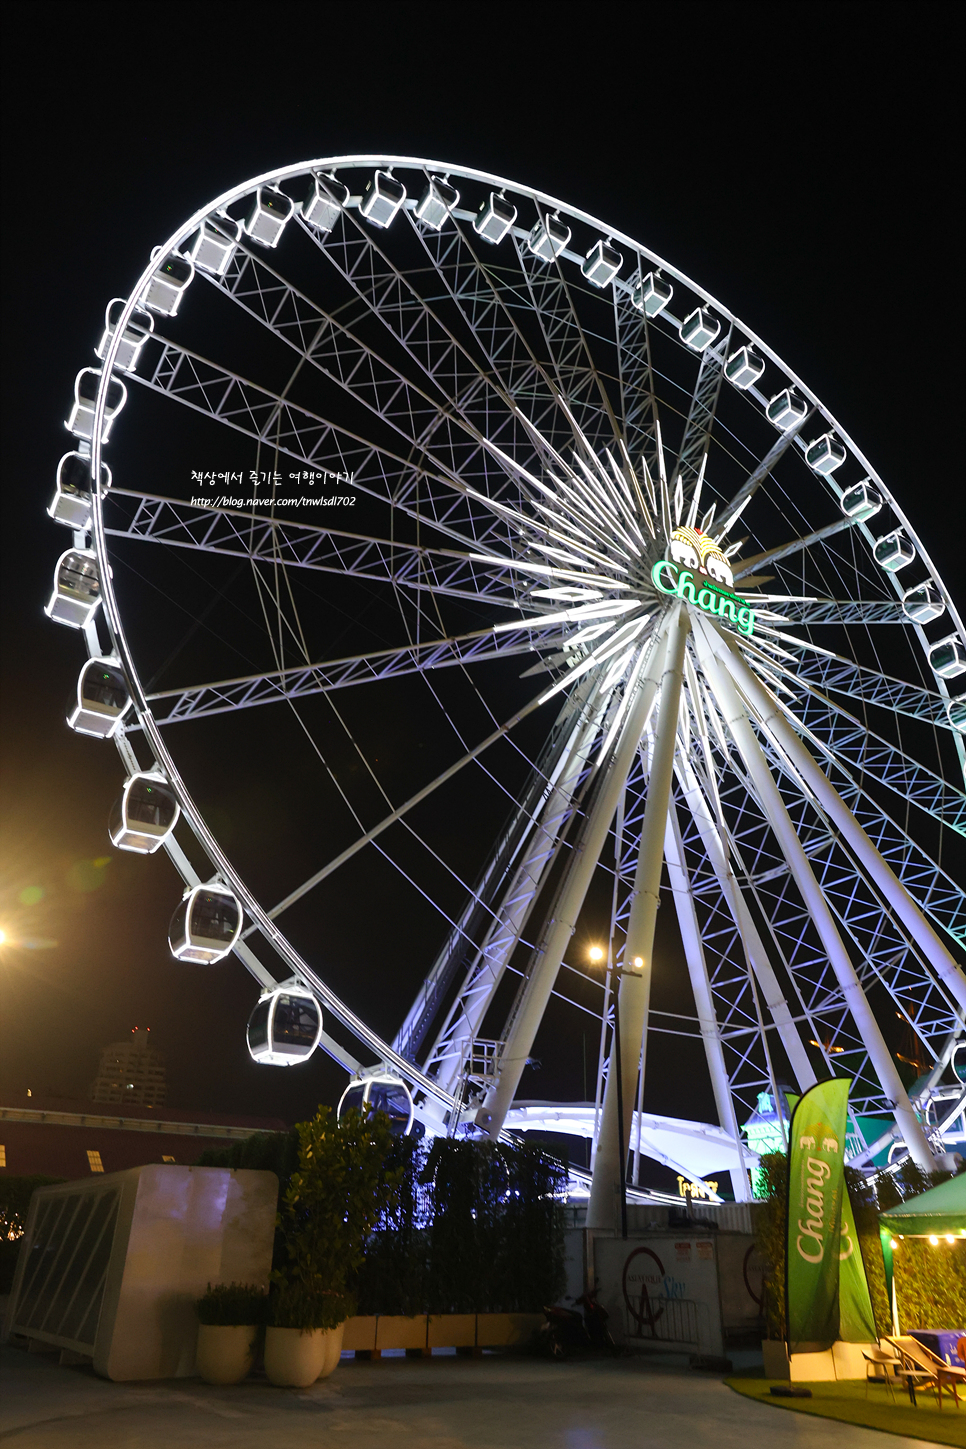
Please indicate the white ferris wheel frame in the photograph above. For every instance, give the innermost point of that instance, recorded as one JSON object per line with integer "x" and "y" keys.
{"x": 384, "y": 1051}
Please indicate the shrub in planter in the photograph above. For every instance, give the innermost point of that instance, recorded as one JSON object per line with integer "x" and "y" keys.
{"x": 230, "y": 1316}
{"x": 343, "y": 1184}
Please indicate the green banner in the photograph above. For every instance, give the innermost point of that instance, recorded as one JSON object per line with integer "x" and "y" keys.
{"x": 856, "y": 1319}
{"x": 816, "y": 1186}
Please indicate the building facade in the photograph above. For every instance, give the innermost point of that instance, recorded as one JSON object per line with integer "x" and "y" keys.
{"x": 131, "y": 1072}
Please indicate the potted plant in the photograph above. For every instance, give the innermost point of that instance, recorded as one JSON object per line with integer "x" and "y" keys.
{"x": 230, "y": 1316}
{"x": 334, "y": 1199}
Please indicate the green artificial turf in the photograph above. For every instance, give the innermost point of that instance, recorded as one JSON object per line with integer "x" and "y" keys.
{"x": 845, "y": 1400}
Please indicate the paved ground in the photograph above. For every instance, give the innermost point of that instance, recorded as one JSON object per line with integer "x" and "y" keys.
{"x": 441, "y": 1403}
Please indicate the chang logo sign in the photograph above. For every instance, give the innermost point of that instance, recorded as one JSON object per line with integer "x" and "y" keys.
{"x": 818, "y": 1194}
{"x": 698, "y": 572}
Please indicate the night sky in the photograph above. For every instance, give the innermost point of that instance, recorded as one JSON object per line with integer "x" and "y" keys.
{"x": 802, "y": 162}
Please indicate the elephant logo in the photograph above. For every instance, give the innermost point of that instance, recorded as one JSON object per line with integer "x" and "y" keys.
{"x": 694, "y": 550}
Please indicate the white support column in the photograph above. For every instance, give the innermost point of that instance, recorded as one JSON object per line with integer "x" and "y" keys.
{"x": 703, "y": 1001}
{"x": 752, "y": 944}
{"x": 868, "y": 857}
{"x": 635, "y": 986}
{"x": 535, "y": 993}
{"x": 733, "y": 710}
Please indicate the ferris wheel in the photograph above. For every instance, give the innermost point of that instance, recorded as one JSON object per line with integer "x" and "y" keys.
{"x": 404, "y": 454}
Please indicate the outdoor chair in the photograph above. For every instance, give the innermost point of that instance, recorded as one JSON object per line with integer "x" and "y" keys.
{"x": 877, "y": 1369}
{"x": 923, "y": 1369}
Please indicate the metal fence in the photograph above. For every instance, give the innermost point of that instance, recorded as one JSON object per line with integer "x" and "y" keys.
{"x": 664, "y": 1320}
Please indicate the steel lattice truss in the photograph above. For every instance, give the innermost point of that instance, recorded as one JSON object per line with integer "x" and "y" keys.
{"x": 456, "y": 455}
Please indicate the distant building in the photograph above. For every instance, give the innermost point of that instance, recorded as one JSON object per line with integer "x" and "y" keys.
{"x": 132, "y": 1072}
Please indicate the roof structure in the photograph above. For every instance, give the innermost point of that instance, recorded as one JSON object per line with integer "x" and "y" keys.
{"x": 940, "y": 1210}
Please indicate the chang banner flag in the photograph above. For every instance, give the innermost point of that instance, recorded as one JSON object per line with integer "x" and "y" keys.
{"x": 856, "y": 1319}
{"x": 816, "y": 1186}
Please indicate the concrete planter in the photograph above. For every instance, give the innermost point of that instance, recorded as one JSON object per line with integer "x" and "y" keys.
{"x": 294, "y": 1359}
{"x": 396, "y": 1331}
{"x": 503, "y": 1330}
{"x": 225, "y": 1351}
{"x": 333, "y": 1349}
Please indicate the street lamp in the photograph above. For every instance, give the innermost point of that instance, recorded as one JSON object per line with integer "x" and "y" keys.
{"x": 596, "y": 954}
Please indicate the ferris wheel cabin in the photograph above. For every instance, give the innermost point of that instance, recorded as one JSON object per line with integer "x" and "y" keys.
{"x": 744, "y": 368}
{"x": 325, "y": 202}
{"x": 861, "y": 502}
{"x": 699, "y": 329}
{"x": 494, "y": 218}
{"x": 77, "y": 589}
{"x": 71, "y": 503}
{"x": 786, "y": 410}
{"x": 136, "y": 333}
{"x": 382, "y": 198}
{"x": 171, "y": 280}
{"x": 651, "y": 294}
{"x": 894, "y": 551}
{"x": 144, "y": 815}
{"x": 436, "y": 203}
{"x": 923, "y": 603}
{"x": 206, "y": 925}
{"x": 267, "y": 215}
{"x": 215, "y": 245}
{"x": 380, "y": 1092}
{"x": 102, "y": 699}
{"x": 81, "y": 420}
{"x": 285, "y": 1027}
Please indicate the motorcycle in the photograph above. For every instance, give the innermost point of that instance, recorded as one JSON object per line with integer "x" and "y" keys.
{"x": 566, "y": 1330}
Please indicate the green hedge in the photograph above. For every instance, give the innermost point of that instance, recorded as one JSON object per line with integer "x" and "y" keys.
{"x": 475, "y": 1227}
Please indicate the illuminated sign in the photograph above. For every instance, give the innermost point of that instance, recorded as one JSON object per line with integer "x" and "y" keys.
{"x": 689, "y": 1188}
{"x": 697, "y": 571}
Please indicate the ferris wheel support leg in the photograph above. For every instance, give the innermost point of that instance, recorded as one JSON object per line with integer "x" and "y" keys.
{"x": 751, "y": 941}
{"x": 704, "y": 1004}
{"x": 536, "y": 991}
{"x": 780, "y": 821}
{"x": 635, "y": 986}
{"x": 878, "y": 870}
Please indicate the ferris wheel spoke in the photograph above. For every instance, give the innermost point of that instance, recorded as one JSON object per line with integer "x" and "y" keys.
{"x": 833, "y": 673}
{"x": 311, "y": 439}
{"x": 842, "y": 611}
{"x": 171, "y": 706}
{"x": 639, "y": 404}
{"x": 491, "y": 322}
{"x": 796, "y": 545}
{"x": 850, "y": 742}
{"x": 576, "y": 372}
{"x": 488, "y": 408}
{"x": 426, "y": 421}
{"x": 758, "y": 475}
{"x": 264, "y": 538}
{"x": 398, "y": 814}
{"x": 908, "y": 900}
{"x": 689, "y": 470}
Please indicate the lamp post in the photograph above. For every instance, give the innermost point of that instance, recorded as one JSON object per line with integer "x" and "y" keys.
{"x": 596, "y": 954}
